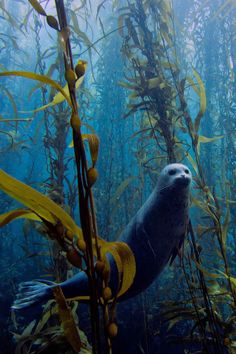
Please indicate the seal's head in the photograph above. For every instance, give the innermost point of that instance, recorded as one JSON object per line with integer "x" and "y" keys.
{"x": 174, "y": 176}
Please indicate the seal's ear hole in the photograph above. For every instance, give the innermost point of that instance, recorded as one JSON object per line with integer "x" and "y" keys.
{"x": 186, "y": 171}
{"x": 172, "y": 172}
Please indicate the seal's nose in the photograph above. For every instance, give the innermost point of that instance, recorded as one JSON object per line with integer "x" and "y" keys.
{"x": 183, "y": 180}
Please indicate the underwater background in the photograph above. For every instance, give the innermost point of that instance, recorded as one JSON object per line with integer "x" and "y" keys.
{"x": 96, "y": 97}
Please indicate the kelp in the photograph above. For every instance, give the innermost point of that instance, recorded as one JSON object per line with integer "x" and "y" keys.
{"x": 17, "y": 214}
{"x": 48, "y": 334}
{"x": 67, "y": 320}
{"x": 151, "y": 83}
{"x": 45, "y": 80}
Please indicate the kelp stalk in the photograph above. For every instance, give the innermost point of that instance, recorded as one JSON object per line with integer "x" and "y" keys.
{"x": 85, "y": 194}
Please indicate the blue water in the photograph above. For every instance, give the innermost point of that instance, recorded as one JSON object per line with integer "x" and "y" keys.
{"x": 159, "y": 87}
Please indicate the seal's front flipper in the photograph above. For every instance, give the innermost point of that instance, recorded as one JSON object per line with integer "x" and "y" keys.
{"x": 32, "y": 293}
{"x": 37, "y": 292}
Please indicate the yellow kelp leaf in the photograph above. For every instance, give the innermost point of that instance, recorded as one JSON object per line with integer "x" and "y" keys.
{"x": 166, "y": 7}
{"x": 108, "y": 248}
{"x": 45, "y": 318}
{"x": 201, "y": 230}
{"x": 3, "y": 120}
{"x": 86, "y": 125}
{"x": 125, "y": 262}
{"x": 133, "y": 95}
{"x": 214, "y": 288}
{"x": 80, "y": 33}
{"x": 121, "y": 24}
{"x": 193, "y": 85}
{"x": 84, "y": 298}
{"x": 36, "y": 5}
{"x": 17, "y": 214}
{"x": 155, "y": 82}
{"x": 232, "y": 344}
{"x": 206, "y": 272}
{"x": 204, "y": 139}
{"x": 232, "y": 279}
{"x": 49, "y": 73}
{"x": 205, "y": 207}
{"x": 42, "y": 78}
{"x": 44, "y": 207}
{"x": 67, "y": 320}
{"x": 191, "y": 160}
{"x": 202, "y": 96}
{"x": 129, "y": 266}
{"x": 166, "y": 37}
{"x": 71, "y": 145}
{"x": 77, "y": 30}
{"x": 85, "y": 351}
{"x": 93, "y": 142}
{"x": 59, "y": 97}
{"x": 128, "y": 86}
{"x": 168, "y": 65}
{"x": 28, "y": 330}
{"x": 172, "y": 323}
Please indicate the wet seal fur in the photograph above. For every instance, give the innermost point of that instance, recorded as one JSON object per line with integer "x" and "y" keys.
{"x": 155, "y": 235}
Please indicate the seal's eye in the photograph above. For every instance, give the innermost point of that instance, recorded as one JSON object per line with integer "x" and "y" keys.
{"x": 172, "y": 172}
{"x": 186, "y": 171}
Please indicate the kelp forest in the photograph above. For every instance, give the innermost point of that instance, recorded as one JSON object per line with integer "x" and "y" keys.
{"x": 96, "y": 98}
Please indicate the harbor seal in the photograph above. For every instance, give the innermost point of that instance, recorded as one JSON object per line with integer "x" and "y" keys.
{"x": 155, "y": 235}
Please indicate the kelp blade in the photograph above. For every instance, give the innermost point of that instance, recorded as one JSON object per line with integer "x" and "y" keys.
{"x": 44, "y": 207}
{"x": 17, "y": 214}
{"x": 58, "y": 98}
{"x": 67, "y": 321}
{"x": 42, "y": 78}
{"x": 125, "y": 262}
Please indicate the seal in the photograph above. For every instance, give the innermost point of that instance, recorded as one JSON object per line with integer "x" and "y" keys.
{"x": 155, "y": 235}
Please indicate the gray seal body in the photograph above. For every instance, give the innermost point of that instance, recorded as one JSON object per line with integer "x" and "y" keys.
{"x": 157, "y": 231}
{"x": 155, "y": 236}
